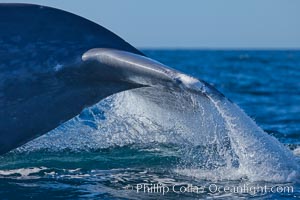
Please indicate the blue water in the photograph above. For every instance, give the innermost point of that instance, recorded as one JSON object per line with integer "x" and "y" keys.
{"x": 265, "y": 84}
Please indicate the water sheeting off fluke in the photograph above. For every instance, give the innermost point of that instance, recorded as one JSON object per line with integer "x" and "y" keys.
{"x": 53, "y": 64}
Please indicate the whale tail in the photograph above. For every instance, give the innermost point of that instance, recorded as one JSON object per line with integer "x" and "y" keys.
{"x": 43, "y": 80}
{"x": 53, "y": 64}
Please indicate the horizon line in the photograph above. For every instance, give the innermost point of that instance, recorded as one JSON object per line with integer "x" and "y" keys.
{"x": 224, "y": 48}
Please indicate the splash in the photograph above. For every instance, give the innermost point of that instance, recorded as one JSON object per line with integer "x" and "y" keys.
{"x": 215, "y": 138}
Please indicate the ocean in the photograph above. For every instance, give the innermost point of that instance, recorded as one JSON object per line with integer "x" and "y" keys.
{"x": 102, "y": 154}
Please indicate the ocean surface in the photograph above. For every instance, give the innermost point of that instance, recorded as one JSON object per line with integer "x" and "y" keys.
{"x": 104, "y": 155}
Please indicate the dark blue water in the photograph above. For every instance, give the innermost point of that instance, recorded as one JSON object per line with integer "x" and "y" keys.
{"x": 265, "y": 84}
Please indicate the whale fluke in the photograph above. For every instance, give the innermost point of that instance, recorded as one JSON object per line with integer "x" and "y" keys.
{"x": 43, "y": 81}
{"x": 53, "y": 64}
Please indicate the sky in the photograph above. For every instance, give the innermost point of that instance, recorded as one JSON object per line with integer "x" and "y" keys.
{"x": 212, "y": 24}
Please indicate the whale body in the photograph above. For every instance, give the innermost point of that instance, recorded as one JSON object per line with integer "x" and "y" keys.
{"x": 53, "y": 64}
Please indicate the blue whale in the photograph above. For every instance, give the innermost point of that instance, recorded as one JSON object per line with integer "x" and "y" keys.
{"x": 53, "y": 64}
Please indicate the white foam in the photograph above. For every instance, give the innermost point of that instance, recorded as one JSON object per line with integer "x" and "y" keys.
{"x": 23, "y": 172}
{"x": 297, "y": 151}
